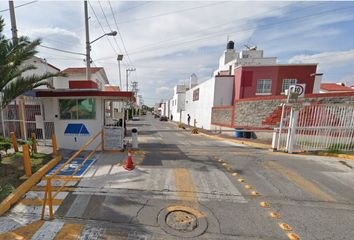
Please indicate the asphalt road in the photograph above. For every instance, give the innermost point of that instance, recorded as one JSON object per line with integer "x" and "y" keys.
{"x": 195, "y": 186}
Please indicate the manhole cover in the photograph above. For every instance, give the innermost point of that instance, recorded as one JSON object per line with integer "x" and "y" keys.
{"x": 182, "y": 221}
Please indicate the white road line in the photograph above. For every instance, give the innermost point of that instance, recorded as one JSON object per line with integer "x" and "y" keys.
{"x": 48, "y": 230}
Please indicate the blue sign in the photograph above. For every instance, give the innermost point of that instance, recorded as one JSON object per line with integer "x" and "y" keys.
{"x": 76, "y": 129}
{"x": 69, "y": 169}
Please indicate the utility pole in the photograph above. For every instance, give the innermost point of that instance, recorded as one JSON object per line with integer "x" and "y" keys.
{"x": 13, "y": 21}
{"x": 119, "y": 59}
{"x": 88, "y": 48}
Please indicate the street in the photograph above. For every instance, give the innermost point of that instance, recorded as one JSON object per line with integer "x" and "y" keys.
{"x": 209, "y": 183}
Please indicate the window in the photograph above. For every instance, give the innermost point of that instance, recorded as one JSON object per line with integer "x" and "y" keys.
{"x": 287, "y": 83}
{"x": 264, "y": 86}
{"x": 196, "y": 94}
{"x": 77, "y": 108}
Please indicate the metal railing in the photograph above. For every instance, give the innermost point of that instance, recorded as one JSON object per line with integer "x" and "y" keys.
{"x": 49, "y": 196}
{"x": 319, "y": 127}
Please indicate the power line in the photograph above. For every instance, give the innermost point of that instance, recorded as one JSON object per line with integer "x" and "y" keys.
{"x": 120, "y": 35}
{"x": 172, "y": 12}
{"x": 61, "y": 50}
{"x": 140, "y": 5}
{"x": 21, "y": 5}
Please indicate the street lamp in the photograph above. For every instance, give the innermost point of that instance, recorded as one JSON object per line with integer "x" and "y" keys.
{"x": 120, "y": 58}
{"x": 127, "y": 73}
{"x": 88, "y": 43}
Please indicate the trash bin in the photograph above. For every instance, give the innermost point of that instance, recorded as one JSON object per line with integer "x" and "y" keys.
{"x": 238, "y": 133}
{"x": 135, "y": 143}
{"x": 247, "y": 134}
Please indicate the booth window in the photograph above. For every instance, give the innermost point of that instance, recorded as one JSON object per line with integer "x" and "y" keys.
{"x": 77, "y": 108}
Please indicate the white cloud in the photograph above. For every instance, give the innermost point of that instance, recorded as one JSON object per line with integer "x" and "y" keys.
{"x": 164, "y": 92}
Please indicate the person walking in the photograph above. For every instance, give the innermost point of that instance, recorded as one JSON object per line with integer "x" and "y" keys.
{"x": 171, "y": 117}
{"x": 189, "y": 119}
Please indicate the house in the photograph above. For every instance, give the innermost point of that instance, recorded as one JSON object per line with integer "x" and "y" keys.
{"x": 240, "y": 75}
{"x": 335, "y": 87}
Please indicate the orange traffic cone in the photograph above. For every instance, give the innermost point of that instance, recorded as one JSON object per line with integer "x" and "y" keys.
{"x": 129, "y": 163}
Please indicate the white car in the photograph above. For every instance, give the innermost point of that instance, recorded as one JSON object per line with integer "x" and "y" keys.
{"x": 135, "y": 118}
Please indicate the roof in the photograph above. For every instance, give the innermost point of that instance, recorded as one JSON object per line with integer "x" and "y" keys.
{"x": 111, "y": 89}
{"x": 335, "y": 87}
{"x": 85, "y": 93}
{"x": 81, "y": 70}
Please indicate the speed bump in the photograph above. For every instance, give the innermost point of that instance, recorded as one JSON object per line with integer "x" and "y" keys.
{"x": 274, "y": 215}
{"x": 264, "y": 204}
{"x": 285, "y": 226}
{"x": 293, "y": 236}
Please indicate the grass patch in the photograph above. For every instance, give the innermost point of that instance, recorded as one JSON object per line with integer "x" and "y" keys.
{"x": 11, "y": 169}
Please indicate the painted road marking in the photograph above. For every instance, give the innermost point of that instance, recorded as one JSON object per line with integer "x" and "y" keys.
{"x": 78, "y": 207}
{"x": 91, "y": 233}
{"x": 25, "y": 232}
{"x": 69, "y": 232}
{"x": 300, "y": 181}
{"x": 48, "y": 230}
{"x": 185, "y": 190}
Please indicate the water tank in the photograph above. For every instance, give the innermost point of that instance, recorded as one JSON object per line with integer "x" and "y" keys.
{"x": 230, "y": 45}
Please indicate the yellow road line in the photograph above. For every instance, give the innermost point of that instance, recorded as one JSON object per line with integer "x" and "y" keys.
{"x": 39, "y": 202}
{"x": 185, "y": 187}
{"x": 22, "y": 233}
{"x": 300, "y": 181}
{"x": 69, "y": 232}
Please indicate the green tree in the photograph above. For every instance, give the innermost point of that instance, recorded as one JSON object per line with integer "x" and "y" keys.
{"x": 12, "y": 66}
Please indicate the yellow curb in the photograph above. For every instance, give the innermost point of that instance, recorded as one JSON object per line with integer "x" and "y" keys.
{"x": 27, "y": 185}
{"x": 69, "y": 232}
{"x": 22, "y": 233}
{"x": 253, "y": 144}
{"x": 338, "y": 155}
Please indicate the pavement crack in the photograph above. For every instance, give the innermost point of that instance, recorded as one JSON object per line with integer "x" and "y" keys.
{"x": 138, "y": 212}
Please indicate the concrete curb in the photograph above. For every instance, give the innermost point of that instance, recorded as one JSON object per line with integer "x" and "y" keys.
{"x": 6, "y": 204}
{"x": 324, "y": 154}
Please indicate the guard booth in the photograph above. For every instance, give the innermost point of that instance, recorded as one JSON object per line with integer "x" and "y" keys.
{"x": 79, "y": 115}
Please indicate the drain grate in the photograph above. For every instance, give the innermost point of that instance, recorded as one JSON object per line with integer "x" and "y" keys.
{"x": 182, "y": 221}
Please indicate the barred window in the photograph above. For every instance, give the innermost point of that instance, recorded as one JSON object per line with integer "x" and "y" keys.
{"x": 264, "y": 86}
{"x": 287, "y": 82}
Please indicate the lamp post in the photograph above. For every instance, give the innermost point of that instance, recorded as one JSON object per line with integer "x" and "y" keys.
{"x": 88, "y": 43}
{"x": 127, "y": 73}
{"x": 119, "y": 59}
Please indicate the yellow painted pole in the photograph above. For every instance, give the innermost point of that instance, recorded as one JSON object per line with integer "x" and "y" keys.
{"x": 14, "y": 141}
{"x": 34, "y": 144}
{"x": 44, "y": 202}
{"x": 102, "y": 140}
{"x": 54, "y": 145}
{"x": 27, "y": 160}
{"x": 50, "y": 203}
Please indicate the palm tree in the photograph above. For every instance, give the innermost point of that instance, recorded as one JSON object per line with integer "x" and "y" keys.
{"x": 12, "y": 57}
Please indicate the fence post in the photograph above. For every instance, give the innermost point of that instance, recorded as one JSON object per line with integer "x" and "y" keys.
{"x": 292, "y": 130}
{"x": 34, "y": 142}
{"x": 27, "y": 160}
{"x": 14, "y": 141}
{"x": 275, "y": 139}
{"x": 54, "y": 145}
{"x": 50, "y": 202}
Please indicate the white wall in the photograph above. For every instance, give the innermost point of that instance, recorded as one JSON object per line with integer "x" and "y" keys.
{"x": 63, "y": 82}
{"x": 200, "y": 110}
{"x": 42, "y": 68}
{"x": 223, "y": 91}
{"x": 71, "y": 141}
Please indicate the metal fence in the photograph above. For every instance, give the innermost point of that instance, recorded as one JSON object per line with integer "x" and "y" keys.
{"x": 25, "y": 116}
{"x": 317, "y": 127}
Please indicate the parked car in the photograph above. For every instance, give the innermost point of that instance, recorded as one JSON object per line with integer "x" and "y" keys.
{"x": 164, "y": 118}
{"x": 135, "y": 118}
{"x": 157, "y": 116}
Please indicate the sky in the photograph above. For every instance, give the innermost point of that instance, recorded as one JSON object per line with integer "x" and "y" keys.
{"x": 167, "y": 41}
